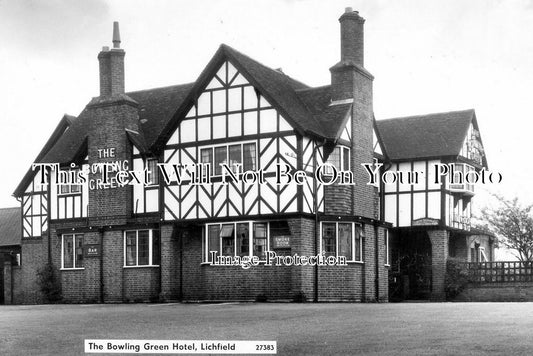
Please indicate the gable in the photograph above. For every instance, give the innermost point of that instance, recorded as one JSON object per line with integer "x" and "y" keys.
{"x": 424, "y": 136}
{"x": 375, "y": 142}
{"x": 472, "y": 147}
{"x": 228, "y": 106}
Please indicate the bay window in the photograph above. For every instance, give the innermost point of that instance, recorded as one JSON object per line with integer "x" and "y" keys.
{"x": 341, "y": 239}
{"x": 236, "y": 239}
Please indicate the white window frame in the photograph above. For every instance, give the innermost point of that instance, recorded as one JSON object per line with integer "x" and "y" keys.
{"x": 74, "y": 237}
{"x": 482, "y": 255}
{"x": 250, "y": 238}
{"x": 328, "y": 171}
{"x": 155, "y": 173}
{"x": 150, "y": 249}
{"x": 387, "y": 247}
{"x": 354, "y": 225}
{"x": 227, "y": 146}
{"x": 69, "y": 186}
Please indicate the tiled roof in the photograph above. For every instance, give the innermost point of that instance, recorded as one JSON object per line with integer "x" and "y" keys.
{"x": 280, "y": 88}
{"x": 10, "y": 232}
{"x": 157, "y": 106}
{"x": 425, "y": 136}
{"x": 309, "y": 110}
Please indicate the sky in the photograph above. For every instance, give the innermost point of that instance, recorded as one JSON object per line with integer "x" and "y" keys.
{"x": 426, "y": 56}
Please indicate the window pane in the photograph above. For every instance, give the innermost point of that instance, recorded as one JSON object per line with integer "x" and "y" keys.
{"x": 345, "y": 240}
{"x": 243, "y": 241}
{"x": 234, "y": 156}
{"x": 346, "y": 159}
{"x": 154, "y": 174}
{"x": 78, "y": 263}
{"x": 249, "y": 156}
{"x": 65, "y": 189}
{"x": 155, "y": 247}
{"x": 328, "y": 239}
{"x": 206, "y": 157}
{"x": 213, "y": 241}
{"x": 260, "y": 240}
{"x": 220, "y": 158}
{"x": 68, "y": 251}
{"x": 131, "y": 247}
{"x": 228, "y": 240}
{"x": 335, "y": 158}
{"x": 358, "y": 242}
{"x": 144, "y": 248}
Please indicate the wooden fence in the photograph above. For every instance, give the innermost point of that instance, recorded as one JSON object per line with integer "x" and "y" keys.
{"x": 500, "y": 272}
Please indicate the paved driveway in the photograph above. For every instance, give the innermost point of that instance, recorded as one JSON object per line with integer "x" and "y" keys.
{"x": 299, "y": 329}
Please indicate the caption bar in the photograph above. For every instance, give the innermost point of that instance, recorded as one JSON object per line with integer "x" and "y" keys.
{"x": 180, "y": 347}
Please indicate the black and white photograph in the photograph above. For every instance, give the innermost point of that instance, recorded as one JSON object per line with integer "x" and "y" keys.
{"x": 284, "y": 177}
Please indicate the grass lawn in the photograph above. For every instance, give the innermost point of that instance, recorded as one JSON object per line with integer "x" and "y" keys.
{"x": 299, "y": 329}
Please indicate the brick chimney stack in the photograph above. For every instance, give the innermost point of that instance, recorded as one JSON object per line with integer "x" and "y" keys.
{"x": 112, "y": 67}
{"x": 352, "y": 83}
{"x": 352, "y": 37}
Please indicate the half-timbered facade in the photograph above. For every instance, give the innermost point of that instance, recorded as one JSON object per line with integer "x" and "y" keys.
{"x": 244, "y": 185}
{"x": 428, "y": 197}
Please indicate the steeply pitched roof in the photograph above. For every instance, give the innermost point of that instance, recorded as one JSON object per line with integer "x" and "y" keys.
{"x": 63, "y": 126}
{"x": 157, "y": 106}
{"x": 282, "y": 91}
{"x": 10, "y": 231}
{"x": 332, "y": 118}
{"x": 425, "y": 136}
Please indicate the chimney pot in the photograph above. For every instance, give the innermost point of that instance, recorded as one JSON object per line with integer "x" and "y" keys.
{"x": 112, "y": 67}
{"x": 116, "y": 35}
{"x": 348, "y": 9}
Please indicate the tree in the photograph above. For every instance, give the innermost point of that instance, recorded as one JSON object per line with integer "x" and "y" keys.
{"x": 513, "y": 223}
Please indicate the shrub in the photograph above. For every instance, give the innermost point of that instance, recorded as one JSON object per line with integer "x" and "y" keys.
{"x": 261, "y": 298}
{"x": 457, "y": 277}
{"x": 299, "y": 297}
{"x": 49, "y": 284}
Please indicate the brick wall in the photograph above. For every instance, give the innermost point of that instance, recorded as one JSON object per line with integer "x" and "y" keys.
{"x": 170, "y": 266}
{"x": 33, "y": 257}
{"x": 439, "y": 256}
{"x": 497, "y": 292}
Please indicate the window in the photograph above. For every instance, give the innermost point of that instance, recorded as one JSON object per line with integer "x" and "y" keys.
{"x": 154, "y": 174}
{"x": 234, "y": 157}
{"x": 228, "y": 240}
{"x": 236, "y": 239}
{"x": 206, "y": 157}
{"x": 341, "y": 239}
{"x": 386, "y": 240}
{"x": 141, "y": 248}
{"x": 482, "y": 255}
{"x": 260, "y": 240}
{"x": 220, "y": 158}
{"x": 69, "y": 188}
{"x": 338, "y": 158}
{"x": 72, "y": 251}
{"x": 329, "y": 239}
{"x": 242, "y": 154}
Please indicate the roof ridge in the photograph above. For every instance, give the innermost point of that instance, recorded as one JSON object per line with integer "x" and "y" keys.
{"x": 425, "y": 115}
{"x": 313, "y": 88}
{"x": 155, "y": 88}
{"x": 15, "y": 207}
{"x": 280, "y": 73}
